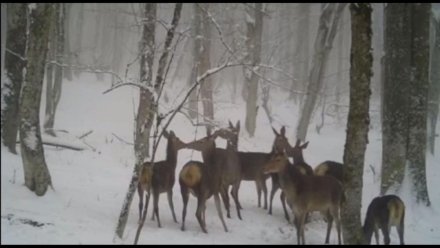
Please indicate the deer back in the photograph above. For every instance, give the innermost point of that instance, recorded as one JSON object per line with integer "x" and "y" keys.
{"x": 329, "y": 168}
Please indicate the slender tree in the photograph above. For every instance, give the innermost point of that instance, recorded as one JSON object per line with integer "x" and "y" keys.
{"x": 36, "y": 173}
{"x": 254, "y": 24}
{"x": 361, "y": 61}
{"x": 327, "y": 29}
{"x": 12, "y": 79}
{"x": 434, "y": 87}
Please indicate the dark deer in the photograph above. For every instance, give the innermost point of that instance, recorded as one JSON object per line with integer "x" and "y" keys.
{"x": 307, "y": 193}
{"x": 160, "y": 177}
{"x": 280, "y": 145}
{"x": 329, "y": 168}
{"x": 231, "y": 168}
{"x": 384, "y": 212}
{"x": 202, "y": 179}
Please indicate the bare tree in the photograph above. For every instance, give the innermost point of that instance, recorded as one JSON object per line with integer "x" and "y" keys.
{"x": 36, "y": 173}
{"x": 3, "y": 36}
{"x": 358, "y": 121}
{"x": 405, "y": 103}
{"x": 15, "y": 63}
{"x": 54, "y": 71}
{"x": 254, "y": 24}
{"x": 328, "y": 23}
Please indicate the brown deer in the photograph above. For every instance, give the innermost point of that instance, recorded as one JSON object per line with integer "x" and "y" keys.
{"x": 281, "y": 144}
{"x": 202, "y": 179}
{"x": 307, "y": 193}
{"x": 231, "y": 168}
{"x": 160, "y": 177}
{"x": 384, "y": 212}
{"x": 329, "y": 168}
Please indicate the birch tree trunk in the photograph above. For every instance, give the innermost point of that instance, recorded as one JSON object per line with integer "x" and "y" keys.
{"x": 418, "y": 100}
{"x": 54, "y": 71}
{"x": 36, "y": 173}
{"x": 254, "y": 24}
{"x": 328, "y": 24}
{"x": 145, "y": 114}
{"x": 13, "y": 75}
{"x": 147, "y": 104}
{"x": 361, "y": 61}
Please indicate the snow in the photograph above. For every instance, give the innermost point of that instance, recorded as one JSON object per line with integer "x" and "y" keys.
{"x": 90, "y": 186}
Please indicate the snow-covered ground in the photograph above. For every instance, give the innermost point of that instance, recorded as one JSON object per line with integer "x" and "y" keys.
{"x": 90, "y": 185}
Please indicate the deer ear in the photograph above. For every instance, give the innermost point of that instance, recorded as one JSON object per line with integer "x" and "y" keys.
{"x": 283, "y": 131}
{"x": 238, "y": 125}
{"x": 208, "y": 131}
{"x": 166, "y": 134}
{"x": 230, "y": 124}
{"x": 275, "y": 131}
{"x": 305, "y": 145}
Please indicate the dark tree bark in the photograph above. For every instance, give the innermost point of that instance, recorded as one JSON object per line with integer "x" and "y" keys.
{"x": 434, "y": 87}
{"x": 418, "y": 100}
{"x": 13, "y": 77}
{"x": 361, "y": 61}
{"x": 36, "y": 173}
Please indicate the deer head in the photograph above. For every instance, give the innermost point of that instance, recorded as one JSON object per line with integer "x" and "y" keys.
{"x": 230, "y": 134}
{"x": 297, "y": 151}
{"x": 204, "y": 144}
{"x": 276, "y": 163}
{"x": 280, "y": 143}
{"x": 175, "y": 142}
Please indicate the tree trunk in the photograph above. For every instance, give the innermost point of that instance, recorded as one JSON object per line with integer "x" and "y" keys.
{"x": 36, "y": 173}
{"x": 78, "y": 36}
{"x": 361, "y": 61}
{"x": 206, "y": 86}
{"x": 3, "y": 37}
{"x": 56, "y": 53}
{"x": 397, "y": 40}
{"x": 67, "y": 50}
{"x": 145, "y": 113}
{"x": 418, "y": 100}
{"x": 434, "y": 87}
{"x": 323, "y": 44}
{"x": 193, "y": 104}
{"x": 301, "y": 66}
{"x": 13, "y": 77}
{"x": 254, "y": 24}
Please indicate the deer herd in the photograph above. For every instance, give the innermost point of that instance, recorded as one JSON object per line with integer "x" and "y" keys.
{"x": 303, "y": 189}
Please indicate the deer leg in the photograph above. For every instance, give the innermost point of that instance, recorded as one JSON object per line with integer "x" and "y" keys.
{"x": 264, "y": 187}
{"x": 141, "y": 201}
{"x": 225, "y": 197}
{"x": 199, "y": 212}
{"x": 329, "y": 226}
{"x": 296, "y": 221}
{"x": 376, "y": 235}
{"x": 337, "y": 218}
{"x": 275, "y": 187}
{"x": 283, "y": 202}
{"x": 301, "y": 224}
{"x": 400, "y": 231}
{"x": 257, "y": 183}
{"x": 170, "y": 202}
{"x": 156, "y": 195}
{"x": 385, "y": 231}
{"x": 235, "y": 196}
{"x": 185, "y": 196}
{"x": 219, "y": 210}
{"x": 232, "y": 192}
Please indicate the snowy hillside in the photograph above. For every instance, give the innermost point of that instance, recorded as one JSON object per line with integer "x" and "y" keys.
{"x": 90, "y": 185}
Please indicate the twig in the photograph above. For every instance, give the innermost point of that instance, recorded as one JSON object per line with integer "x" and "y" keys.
{"x": 86, "y": 134}
{"x": 120, "y": 139}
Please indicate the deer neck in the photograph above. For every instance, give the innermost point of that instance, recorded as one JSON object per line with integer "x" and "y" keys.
{"x": 171, "y": 156}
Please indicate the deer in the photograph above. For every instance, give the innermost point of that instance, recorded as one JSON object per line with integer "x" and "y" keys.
{"x": 159, "y": 177}
{"x": 202, "y": 180}
{"x": 231, "y": 168}
{"x": 330, "y": 168}
{"x": 384, "y": 212}
{"x": 306, "y": 193}
{"x": 281, "y": 144}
